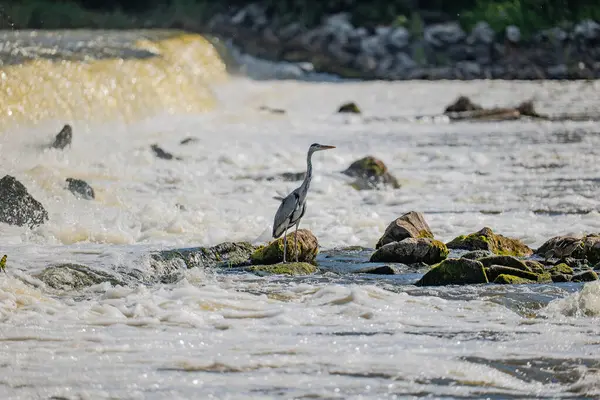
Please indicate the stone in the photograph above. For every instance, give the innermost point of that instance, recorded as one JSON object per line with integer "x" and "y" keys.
{"x": 561, "y": 268}
{"x": 366, "y": 62}
{"x": 469, "y": 69}
{"x": 506, "y": 261}
{"x": 380, "y": 270}
{"x": 411, "y": 250}
{"x": 188, "y": 140}
{"x": 293, "y": 268}
{"x": 496, "y": 270}
{"x": 350, "y": 107}
{"x": 486, "y": 239}
{"x": 511, "y": 280}
{"x": 477, "y": 254}
{"x": 462, "y": 104}
{"x": 439, "y": 35}
{"x": 17, "y": 206}
{"x": 587, "y": 30}
{"x": 535, "y": 266}
{"x": 272, "y": 253}
{"x": 454, "y": 271}
{"x": 585, "y": 276}
{"x": 80, "y": 188}
{"x": 63, "y": 138}
{"x": 557, "y": 71}
{"x": 399, "y": 38}
{"x": 482, "y": 32}
{"x": 373, "y": 46}
{"x": 68, "y": 277}
{"x": 557, "y": 278}
{"x": 561, "y": 247}
{"x": 513, "y": 34}
{"x": 160, "y": 153}
{"x": 370, "y": 173}
{"x": 409, "y": 225}
{"x": 405, "y": 62}
{"x": 227, "y": 254}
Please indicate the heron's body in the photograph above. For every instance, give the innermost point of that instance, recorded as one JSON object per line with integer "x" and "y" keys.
{"x": 293, "y": 206}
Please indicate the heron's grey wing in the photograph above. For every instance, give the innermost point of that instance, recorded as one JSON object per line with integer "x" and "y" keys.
{"x": 284, "y": 212}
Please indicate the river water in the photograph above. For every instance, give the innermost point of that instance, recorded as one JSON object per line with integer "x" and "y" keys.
{"x": 328, "y": 336}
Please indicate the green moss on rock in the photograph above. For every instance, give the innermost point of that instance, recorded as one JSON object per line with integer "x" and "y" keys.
{"x": 75, "y": 277}
{"x": 561, "y": 268}
{"x": 308, "y": 248}
{"x": 370, "y": 173}
{"x": 512, "y": 280}
{"x": 494, "y": 271}
{"x": 412, "y": 250}
{"x": 349, "y": 107}
{"x": 486, "y": 239}
{"x": 535, "y": 266}
{"x": 454, "y": 271}
{"x": 293, "y": 268}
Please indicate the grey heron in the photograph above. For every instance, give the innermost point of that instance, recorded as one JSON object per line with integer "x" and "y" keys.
{"x": 293, "y": 206}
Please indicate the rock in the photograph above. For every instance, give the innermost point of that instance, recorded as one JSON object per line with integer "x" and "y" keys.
{"x": 496, "y": 270}
{"x": 189, "y": 140}
{"x": 399, "y": 38}
{"x": 227, "y": 254}
{"x": 349, "y": 108}
{"x": 366, "y": 62}
{"x": 293, "y": 268}
{"x": 380, "y": 270}
{"x": 373, "y": 46}
{"x": 527, "y": 108}
{"x": 75, "y": 277}
{"x": 454, "y": 271}
{"x": 586, "y": 276}
{"x": 469, "y": 69}
{"x": 561, "y": 278}
{"x": 535, "y": 266}
{"x": 64, "y": 137}
{"x": 511, "y": 280}
{"x": 404, "y": 62}
{"x": 439, "y": 35}
{"x": 308, "y": 247}
{"x": 506, "y": 261}
{"x": 80, "y": 188}
{"x": 587, "y": 30}
{"x": 411, "y": 250}
{"x": 477, "y": 254}
{"x": 590, "y": 249}
{"x": 559, "y": 71}
{"x": 370, "y": 173}
{"x": 486, "y": 239}
{"x": 482, "y": 33}
{"x": 409, "y": 225}
{"x": 561, "y": 269}
{"x": 160, "y": 153}
{"x": 462, "y": 104}
{"x": 513, "y": 34}
{"x": 3, "y": 263}
{"x": 17, "y": 206}
{"x": 561, "y": 247}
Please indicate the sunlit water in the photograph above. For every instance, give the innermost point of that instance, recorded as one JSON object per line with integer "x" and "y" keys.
{"x": 332, "y": 335}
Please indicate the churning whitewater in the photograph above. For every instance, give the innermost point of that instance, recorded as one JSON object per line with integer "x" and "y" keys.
{"x": 326, "y": 336}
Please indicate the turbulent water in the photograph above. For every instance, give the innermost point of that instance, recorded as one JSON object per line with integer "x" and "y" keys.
{"x": 332, "y": 335}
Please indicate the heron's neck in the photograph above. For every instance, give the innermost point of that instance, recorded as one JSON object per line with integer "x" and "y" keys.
{"x": 308, "y": 176}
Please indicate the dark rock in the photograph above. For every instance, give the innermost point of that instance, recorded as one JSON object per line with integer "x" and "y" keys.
{"x": 561, "y": 269}
{"x": 64, "y": 137}
{"x": 370, "y": 173}
{"x": 506, "y": 261}
{"x": 477, "y": 254}
{"x": 80, "y": 188}
{"x": 482, "y": 33}
{"x": 349, "y": 108}
{"x": 439, "y": 35}
{"x": 75, "y": 277}
{"x": 462, "y": 104}
{"x": 189, "y": 140}
{"x": 454, "y": 271}
{"x": 399, "y": 38}
{"x": 561, "y": 278}
{"x": 227, "y": 254}
{"x": 535, "y": 266}
{"x": 527, "y": 108}
{"x": 308, "y": 247}
{"x": 511, "y": 280}
{"x": 380, "y": 270}
{"x": 486, "y": 239}
{"x": 586, "y": 276}
{"x": 570, "y": 246}
{"x": 160, "y": 153}
{"x": 17, "y": 206}
{"x": 409, "y": 225}
{"x": 293, "y": 268}
{"x": 496, "y": 270}
{"x": 411, "y": 250}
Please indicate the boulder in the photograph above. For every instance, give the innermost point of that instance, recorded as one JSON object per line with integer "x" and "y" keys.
{"x": 496, "y": 270}
{"x": 410, "y": 225}
{"x": 75, "y": 277}
{"x": 370, "y": 173}
{"x": 587, "y": 247}
{"x": 350, "y": 107}
{"x": 293, "y": 268}
{"x": 562, "y": 268}
{"x": 587, "y": 30}
{"x": 486, "y": 239}
{"x": 506, "y": 261}
{"x": 454, "y": 271}
{"x": 535, "y": 266}
{"x": 227, "y": 254}
{"x": 411, "y": 250}
{"x": 585, "y": 276}
{"x": 380, "y": 270}
{"x": 272, "y": 253}
{"x": 80, "y": 188}
{"x": 63, "y": 138}
{"x": 558, "y": 278}
{"x": 17, "y": 206}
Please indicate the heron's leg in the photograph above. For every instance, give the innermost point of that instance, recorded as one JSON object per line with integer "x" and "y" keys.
{"x": 296, "y": 241}
{"x": 284, "y": 244}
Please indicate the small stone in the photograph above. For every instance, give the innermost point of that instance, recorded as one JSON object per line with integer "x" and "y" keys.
{"x": 410, "y": 225}
{"x": 189, "y": 140}
{"x": 411, "y": 250}
{"x": 160, "y": 153}
{"x": 64, "y": 137}
{"x": 454, "y": 271}
{"x": 293, "y": 268}
{"x": 223, "y": 255}
{"x": 272, "y": 253}
{"x": 399, "y": 38}
{"x": 75, "y": 277}
{"x": 380, "y": 270}
{"x": 350, "y": 107}
{"x": 561, "y": 278}
{"x": 535, "y": 266}
{"x": 462, "y": 104}
{"x": 513, "y": 34}
{"x": 586, "y": 276}
{"x": 80, "y": 188}
{"x": 483, "y": 33}
{"x": 17, "y": 206}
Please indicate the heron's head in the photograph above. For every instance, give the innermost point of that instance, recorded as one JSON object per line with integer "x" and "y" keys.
{"x": 318, "y": 147}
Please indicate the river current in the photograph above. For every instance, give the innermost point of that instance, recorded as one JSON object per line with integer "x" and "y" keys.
{"x": 327, "y": 336}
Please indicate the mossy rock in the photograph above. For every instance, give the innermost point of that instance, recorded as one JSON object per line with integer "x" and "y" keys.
{"x": 350, "y": 108}
{"x": 75, "y": 277}
{"x": 370, "y": 173}
{"x": 412, "y": 250}
{"x": 380, "y": 270}
{"x": 507, "y": 261}
{"x": 585, "y": 276}
{"x": 558, "y": 278}
{"x": 409, "y": 225}
{"x": 454, "y": 271}
{"x": 227, "y": 254}
{"x": 535, "y": 266}
{"x": 308, "y": 248}
{"x": 512, "y": 280}
{"x": 477, "y": 254}
{"x": 293, "y": 268}
{"x": 561, "y": 268}
{"x": 494, "y": 271}
{"x": 486, "y": 239}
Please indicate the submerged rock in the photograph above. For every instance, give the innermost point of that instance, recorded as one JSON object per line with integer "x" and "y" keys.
{"x": 486, "y": 239}
{"x": 63, "y": 138}
{"x": 160, "y": 153}
{"x": 17, "y": 206}
{"x": 227, "y": 254}
{"x": 80, "y": 188}
{"x": 409, "y": 225}
{"x": 272, "y": 253}
{"x": 188, "y": 140}
{"x": 462, "y": 104}
{"x": 411, "y": 250}
{"x": 288, "y": 176}
{"x": 75, "y": 277}
{"x": 370, "y": 173}
{"x": 350, "y": 107}
{"x": 380, "y": 270}
{"x": 454, "y": 271}
{"x": 293, "y": 268}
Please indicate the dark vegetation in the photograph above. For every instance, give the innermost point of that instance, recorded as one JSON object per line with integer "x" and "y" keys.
{"x": 529, "y": 15}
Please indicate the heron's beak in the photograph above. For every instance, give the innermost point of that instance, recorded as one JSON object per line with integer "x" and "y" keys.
{"x": 325, "y": 147}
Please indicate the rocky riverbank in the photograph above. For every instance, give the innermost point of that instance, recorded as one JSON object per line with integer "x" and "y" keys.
{"x": 415, "y": 51}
